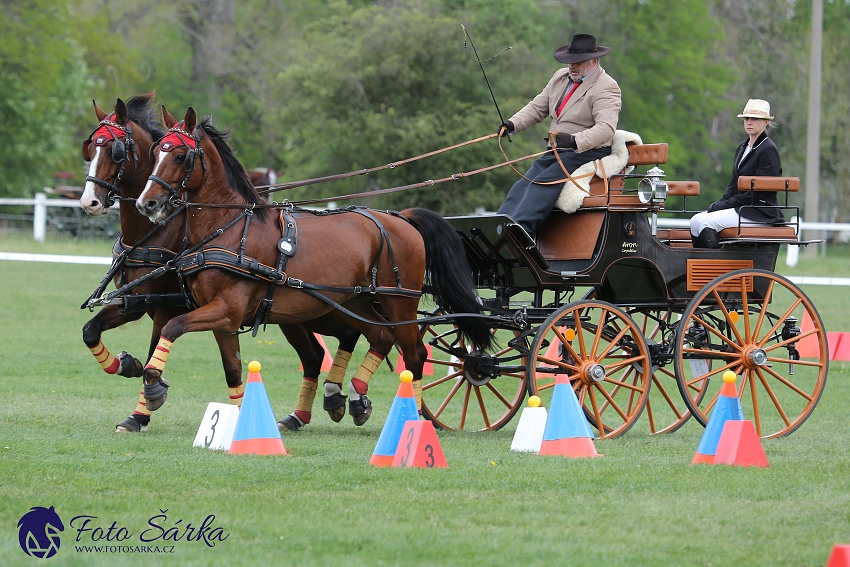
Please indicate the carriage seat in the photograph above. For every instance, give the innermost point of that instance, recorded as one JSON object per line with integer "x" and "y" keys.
{"x": 762, "y": 232}
{"x": 574, "y": 236}
{"x": 643, "y": 154}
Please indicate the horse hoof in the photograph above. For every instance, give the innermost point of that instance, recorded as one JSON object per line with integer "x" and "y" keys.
{"x": 130, "y": 425}
{"x": 130, "y": 366}
{"x": 360, "y": 410}
{"x": 155, "y": 394}
{"x": 335, "y": 406}
{"x": 290, "y": 423}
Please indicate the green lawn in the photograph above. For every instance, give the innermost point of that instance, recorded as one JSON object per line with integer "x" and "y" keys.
{"x": 641, "y": 504}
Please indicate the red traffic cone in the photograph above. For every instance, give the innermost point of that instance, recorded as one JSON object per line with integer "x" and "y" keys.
{"x": 402, "y": 411}
{"x": 327, "y": 363}
{"x": 256, "y": 430}
{"x": 840, "y": 556}
{"x": 740, "y": 446}
{"x": 728, "y": 407}
{"x": 419, "y": 447}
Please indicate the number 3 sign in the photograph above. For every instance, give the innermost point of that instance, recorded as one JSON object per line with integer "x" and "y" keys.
{"x": 217, "y": 427}
{"x": 419, "y": 447}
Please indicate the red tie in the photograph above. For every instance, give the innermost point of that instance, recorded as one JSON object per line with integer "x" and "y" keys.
{"x": 567, "y": 97}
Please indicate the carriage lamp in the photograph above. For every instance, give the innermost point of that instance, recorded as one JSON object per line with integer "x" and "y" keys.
{"x": 652, "y": 190}
{"x": 789, "y": 331}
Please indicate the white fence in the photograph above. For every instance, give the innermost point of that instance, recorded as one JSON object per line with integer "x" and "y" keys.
{"x": 41, "y": 202}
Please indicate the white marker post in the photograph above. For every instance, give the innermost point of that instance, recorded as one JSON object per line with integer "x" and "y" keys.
{"x": 217, "y": 427}
{"x": 532, "y": 424}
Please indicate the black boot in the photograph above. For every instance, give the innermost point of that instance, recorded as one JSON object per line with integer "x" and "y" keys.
{"x": 708, "y": 238}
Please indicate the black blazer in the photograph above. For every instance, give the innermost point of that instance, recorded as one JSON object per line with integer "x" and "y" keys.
{"x": 763, "y": 160}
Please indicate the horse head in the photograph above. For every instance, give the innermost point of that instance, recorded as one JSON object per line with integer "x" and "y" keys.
{"x": 194, "y": 162}
{"x": 118, "y": 151}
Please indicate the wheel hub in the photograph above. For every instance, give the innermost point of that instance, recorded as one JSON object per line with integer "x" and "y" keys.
{"x": 591, "y": 373}
{"x": 755, "y": 357}
{"x": 478, "y": 370}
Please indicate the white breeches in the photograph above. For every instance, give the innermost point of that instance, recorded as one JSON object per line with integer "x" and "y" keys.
{"x": 718, "y": 220}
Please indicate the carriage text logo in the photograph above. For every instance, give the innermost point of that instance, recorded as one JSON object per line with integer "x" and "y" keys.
{"x": 630, "y": 247}
{"x": 38, "y": 532}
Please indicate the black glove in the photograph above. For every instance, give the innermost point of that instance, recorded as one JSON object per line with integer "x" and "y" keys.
{"x": 565, "y": 141}
{"x": 505, "y": 128}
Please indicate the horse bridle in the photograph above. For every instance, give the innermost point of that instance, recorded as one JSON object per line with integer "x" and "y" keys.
{"x": 119, "y": 155}
{"x": 189, "y": 165}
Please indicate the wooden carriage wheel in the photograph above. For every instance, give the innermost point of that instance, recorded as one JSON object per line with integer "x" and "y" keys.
{"x": 753, "y": 322}
{"x": 602, "y": 352}
{"x": 666, "y": 411}
{"x": 476, "y": 393}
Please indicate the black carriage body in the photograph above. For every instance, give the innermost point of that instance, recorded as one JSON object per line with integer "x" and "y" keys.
{"x": 621, "y": 259}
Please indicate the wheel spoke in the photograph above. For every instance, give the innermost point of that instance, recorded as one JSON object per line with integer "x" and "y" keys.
{"x": 498, "y": 394}
{"x": 712, "y": 373}
{"x": 748, "y": 375}
{"x": 770, "y": 393}
{"x": 599, "y": 327}
{"x": 566, "y": 343}
{"x": 600, "y": 426}
{"x": 779, "y": 321}
{"x": 729, "y": 320}
{"x": 716, "y": 332}
{"x": 659, "y": 387}
{"x": 619, "y": 384}
{"x": 481, "y": 405}
{"x": 580, "y": 335}
{"x": 439, "y": 381}
{"x": 614, "y": 343}
{"x": 465, "y": 407}
{"x": 449, "y": 397}
{"x": 611, "y": 401}
{"x": 782, "y": 379}
{"x": 791, "y": 340}
{"x": 800, "y": 362}
{"x": 618, "y": 365}
{"x": 745, "y": 308}
{"x": 764, "y": 305}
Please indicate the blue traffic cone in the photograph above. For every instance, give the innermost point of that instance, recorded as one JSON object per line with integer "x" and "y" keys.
{"x": 728, "y": 407}
{"x": 402, "y": 410}
{"x": 256, "y": 430}
{"x": 567, "y": 432}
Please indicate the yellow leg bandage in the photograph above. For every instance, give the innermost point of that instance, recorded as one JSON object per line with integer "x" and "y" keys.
{"x": 107, "y": 361}
{"x": 236, "y": 394}
{"x": 417, "y": 393}
{"x": 306, "y": 395}
{"x": 360, "y": 381}
{"x": 340, "y": 364}
{"x": 141, "y": 407}
{"x": 160, "y": 354}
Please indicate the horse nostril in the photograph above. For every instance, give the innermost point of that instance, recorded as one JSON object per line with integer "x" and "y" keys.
{"x": 94, "y": 204}
{"x": 150, "y": 206}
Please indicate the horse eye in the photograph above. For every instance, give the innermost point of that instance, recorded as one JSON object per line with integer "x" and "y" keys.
{"x": 179, "y": 157}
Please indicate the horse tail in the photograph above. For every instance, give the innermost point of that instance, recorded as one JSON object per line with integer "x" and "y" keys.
{"x": 448, "y": 278}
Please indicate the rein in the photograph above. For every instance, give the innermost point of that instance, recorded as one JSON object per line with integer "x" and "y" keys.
{"x": 293, "y": 184}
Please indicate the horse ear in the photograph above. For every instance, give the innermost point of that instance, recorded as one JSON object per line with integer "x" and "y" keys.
{"x": 190, "y": 120}
{"x": 167, "y": 119}
{"x": 97, "y": 111}
{"x": 120, "y": 112}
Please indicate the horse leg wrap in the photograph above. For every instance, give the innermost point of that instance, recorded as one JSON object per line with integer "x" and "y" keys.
{"x": 139, "y": 420}
{"x": 417, "y": 394}
{"x": 107, "y": 361}
{"x": 156, "y": 394}
{"x": 160, "y": 355}
{"x": 304, "y": 405}
{"x": 236, "y": 395}
{"x": 334, "y": 402}
{"x": 130, "y": 365}
{"x": 359, "y": 406}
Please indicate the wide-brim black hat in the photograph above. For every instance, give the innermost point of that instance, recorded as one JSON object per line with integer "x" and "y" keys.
{"x": 582, "y": 48}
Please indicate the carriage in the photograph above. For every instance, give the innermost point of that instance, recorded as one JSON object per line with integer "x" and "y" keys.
{"x": 643, "y": 324}
{"x": 631, "y": 314}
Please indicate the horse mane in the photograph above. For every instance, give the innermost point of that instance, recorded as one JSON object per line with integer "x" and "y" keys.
{"x": 237, "y": 177}
{"x": 140, "y": 111}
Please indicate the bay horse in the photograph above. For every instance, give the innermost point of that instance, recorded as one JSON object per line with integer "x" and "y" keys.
{"x": 121, "y": 160}
{"x": 294, "y": 265}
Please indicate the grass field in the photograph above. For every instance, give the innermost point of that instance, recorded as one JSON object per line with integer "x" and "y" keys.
{"x": 641, "y": 504}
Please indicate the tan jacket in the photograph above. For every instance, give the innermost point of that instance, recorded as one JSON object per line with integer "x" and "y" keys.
{"x": 590, "y": 115}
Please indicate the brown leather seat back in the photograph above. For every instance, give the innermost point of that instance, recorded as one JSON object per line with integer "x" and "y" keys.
{"x": 570, "y": 236}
